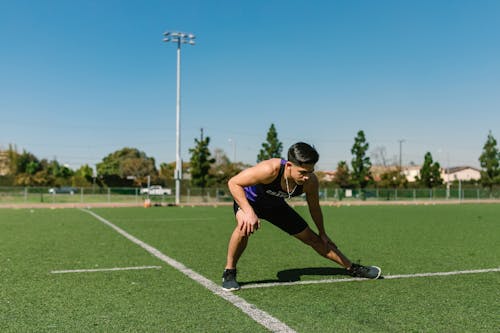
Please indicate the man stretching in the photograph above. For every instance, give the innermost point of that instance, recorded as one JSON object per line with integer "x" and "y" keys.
{"x": 260, "y": 192}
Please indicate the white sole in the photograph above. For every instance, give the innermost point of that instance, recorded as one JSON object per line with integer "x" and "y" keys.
{"x": 379, "y": 272}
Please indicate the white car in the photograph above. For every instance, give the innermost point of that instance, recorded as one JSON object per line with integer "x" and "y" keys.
{"x": 156, "y": 190}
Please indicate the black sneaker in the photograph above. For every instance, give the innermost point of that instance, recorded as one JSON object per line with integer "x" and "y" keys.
{"x": 229, "y": 280}
{"x": 368, "y": 272}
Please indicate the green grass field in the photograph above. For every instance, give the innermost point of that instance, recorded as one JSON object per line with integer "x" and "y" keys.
{"x": 399, "y": 239}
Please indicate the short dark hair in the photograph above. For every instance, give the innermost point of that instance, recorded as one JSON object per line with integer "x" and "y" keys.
{"x": 302, "y": 153}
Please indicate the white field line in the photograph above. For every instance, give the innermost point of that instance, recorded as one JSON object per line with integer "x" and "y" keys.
{"x": 386, "y": 277}
{"x": 104, "y": 269}
{"x": 168, "y": 219}
{"x": 260, "y": 316}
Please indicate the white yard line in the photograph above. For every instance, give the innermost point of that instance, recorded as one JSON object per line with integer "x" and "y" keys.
{"x": 104, "y": 269}
{"x": 260, "y": 316}
{"x": 386, "y": 277}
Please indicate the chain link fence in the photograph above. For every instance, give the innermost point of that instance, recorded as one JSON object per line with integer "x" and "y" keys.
{"x": 13, "y": 195}
{"x": 412, "y": 194}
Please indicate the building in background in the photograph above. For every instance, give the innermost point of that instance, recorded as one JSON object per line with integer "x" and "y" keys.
{"x": 460, "y": 173}
{"x": 411, "y": 173}
{"x": 4, "y": 163}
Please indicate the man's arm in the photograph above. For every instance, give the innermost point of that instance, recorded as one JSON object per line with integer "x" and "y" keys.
{"x": 262, "y": 173}
{"x": 311, "y": 189}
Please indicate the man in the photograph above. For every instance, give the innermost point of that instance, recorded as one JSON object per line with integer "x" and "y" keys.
{"x": 260, "y": 192}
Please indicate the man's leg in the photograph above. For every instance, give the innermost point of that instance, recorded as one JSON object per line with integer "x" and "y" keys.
{"x": 331, "y": 252}
{"x": 237, "y": 244}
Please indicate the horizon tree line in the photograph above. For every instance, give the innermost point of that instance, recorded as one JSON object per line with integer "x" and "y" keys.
{"x": 132, "y": 167}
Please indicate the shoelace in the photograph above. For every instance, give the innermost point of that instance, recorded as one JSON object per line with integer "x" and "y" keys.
{"x": 229, "y": 275}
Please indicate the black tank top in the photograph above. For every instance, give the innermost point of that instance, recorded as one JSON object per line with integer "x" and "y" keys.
{"x": 273, "y": 190}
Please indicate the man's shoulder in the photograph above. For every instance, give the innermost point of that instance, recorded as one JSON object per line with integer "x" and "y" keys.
{"x": 271, "y": 164}
{"x": 270, "y": 167}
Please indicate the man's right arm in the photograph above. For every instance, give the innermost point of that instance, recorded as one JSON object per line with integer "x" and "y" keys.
{"x": 262, "y": 173}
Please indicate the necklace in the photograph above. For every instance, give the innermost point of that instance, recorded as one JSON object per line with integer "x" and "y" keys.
{"x": 288, "y": 188}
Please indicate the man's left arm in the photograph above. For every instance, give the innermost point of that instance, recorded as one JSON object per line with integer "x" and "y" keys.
{"x": 311, "y": 190}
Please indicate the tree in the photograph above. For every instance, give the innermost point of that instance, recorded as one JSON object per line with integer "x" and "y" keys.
{"x": 201, "y": 162}
{"x": 167, "y": 172}
{"x": 379, "y": 155}
{"x": 55, "y": 169}
{"x": 127, "y": 163}
{"x": 12, "y": 156}
{"x": 83, "y": 177}
{"x": 27, "y": 170}
{"x": 25, "y": 166}
{"x": 272, "y": 147}
{"x": 342, "y": 175}
{"x": 393, "y": 178}
{"x": 27, "y": 163}
{"x": 223, "y": 169}
{"x": 430, "y": 173}
{"x": 489, "y": 159}
{"x": 361, "y": 164}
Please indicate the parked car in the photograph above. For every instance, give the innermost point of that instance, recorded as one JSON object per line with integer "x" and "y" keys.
{"x": 156, "y": 190}
{"x": 66, "y": 189}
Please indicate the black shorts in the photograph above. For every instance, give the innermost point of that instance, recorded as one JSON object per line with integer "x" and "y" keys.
{"x": 280, "y": 214}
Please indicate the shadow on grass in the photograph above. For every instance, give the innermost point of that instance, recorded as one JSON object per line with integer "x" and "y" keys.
{"x": 293, "y": 275}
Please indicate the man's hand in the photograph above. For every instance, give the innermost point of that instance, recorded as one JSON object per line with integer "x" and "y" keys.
{"x": 248, "y": 222}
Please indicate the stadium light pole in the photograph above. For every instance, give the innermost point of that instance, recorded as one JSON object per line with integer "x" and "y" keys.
{"x": 179, "y": 38}
{"x": 401, "y": 154}
{"x": 233, "y": 143}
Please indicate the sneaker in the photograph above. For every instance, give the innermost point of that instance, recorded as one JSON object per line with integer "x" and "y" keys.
{"x": 229, "y": 280}
{"x": 368, "y": 272}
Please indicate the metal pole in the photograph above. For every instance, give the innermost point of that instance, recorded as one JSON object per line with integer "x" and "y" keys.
{"x": 178, "y": 161}
{"x": 233, "y": 143}
{"x": 234, "y": 151}
{"x": 179, "y": 38}
{"x": 401, "y": 154}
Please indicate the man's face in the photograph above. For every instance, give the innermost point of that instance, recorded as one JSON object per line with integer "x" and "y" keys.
{"x": 301, "y": 174}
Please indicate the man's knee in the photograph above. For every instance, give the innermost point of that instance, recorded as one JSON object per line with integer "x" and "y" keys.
{"x": 309, "y": 237}
{"x": 240, "y": 233}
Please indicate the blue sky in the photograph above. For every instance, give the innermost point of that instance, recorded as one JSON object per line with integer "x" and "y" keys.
{"x": 81, "y": 79}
